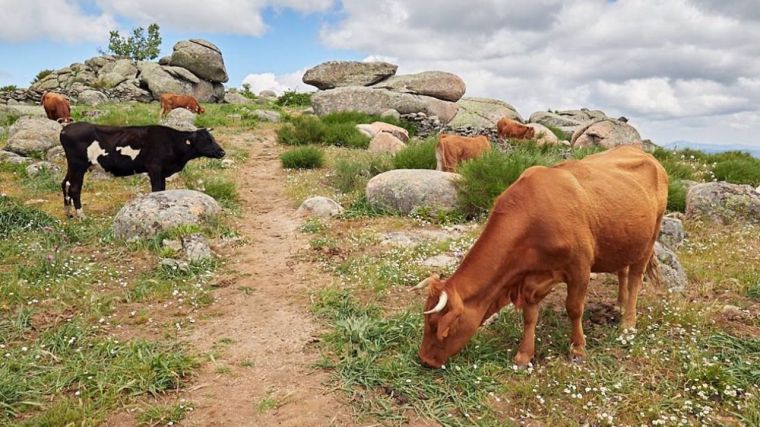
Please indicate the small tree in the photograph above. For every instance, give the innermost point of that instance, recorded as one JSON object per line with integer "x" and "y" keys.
{"x": 138, "y": 46}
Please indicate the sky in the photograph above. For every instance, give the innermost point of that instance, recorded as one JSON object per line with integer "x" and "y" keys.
{"x": 677, "y": 69}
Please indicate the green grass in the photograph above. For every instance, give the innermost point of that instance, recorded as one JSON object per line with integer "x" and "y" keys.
{"x": 560, "y": 134}
{"x": 15, "y": 217}
{"x": 303, "y": 158}
{"x": 161, "y": 415}
{"x": 417, "y": 155}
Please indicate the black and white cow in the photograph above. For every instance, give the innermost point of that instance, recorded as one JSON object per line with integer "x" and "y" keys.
{"x": 122, "y": 151}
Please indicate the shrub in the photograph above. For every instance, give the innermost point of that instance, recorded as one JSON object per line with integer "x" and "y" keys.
{"x": 301, "y": 131}
{"x": 138, "y": 46}
{"x": 8, "y": 88}
{"x": 353, "y": 174}
{"x": 487, "y": 176}
{"x": 344, "y": 135}
{"x": 356, "y": 117}
{"x": 676, "y": 195}
{"x": 678, "y": 169}
{"x": 41, "y": 75}
{"x": 302, "y": 158}
{"x": 294, "y": 99}
{"x": 738, "y": 171}
{"x": 419, "y": 155}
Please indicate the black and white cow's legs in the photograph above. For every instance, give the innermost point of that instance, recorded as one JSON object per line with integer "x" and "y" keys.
{"x": 72, "y": 187}
{"x": 157, "y": 180}
{"x": 65, "y": 185}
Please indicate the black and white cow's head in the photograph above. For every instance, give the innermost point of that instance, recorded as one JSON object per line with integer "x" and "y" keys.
{"x": 204, "y": 143}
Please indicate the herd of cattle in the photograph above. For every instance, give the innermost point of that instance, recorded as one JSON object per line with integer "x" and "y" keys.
{"x": 553, "y": 225}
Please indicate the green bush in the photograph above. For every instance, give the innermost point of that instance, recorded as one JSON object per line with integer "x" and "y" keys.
{"x": 302, "y": 130}
{"x": 294, "y": 99}
{"x": 344, "y": 135}
{"x": 356, "y": 117}
{"x": 419, "y": 155}
{"x": 676, "y": 195}
{"x": 352, "y": 174}
{"x": 302, "y": 158}
{"x": 8, "y": 88}
{"x": 738, "y": 171}
{"x": 487, "y": 176}
{"x": 560, "y": 134}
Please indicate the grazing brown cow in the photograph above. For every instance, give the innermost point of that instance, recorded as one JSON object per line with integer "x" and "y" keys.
{"x": 454, "y": 149}
{"x": 170, "y": 101}
{"x": 508, "y": 128}
{"x": 557, "y": 224}
{"x": 56, "y": 107}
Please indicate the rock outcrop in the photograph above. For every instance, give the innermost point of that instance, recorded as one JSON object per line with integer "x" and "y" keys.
{"x": 148, "y": 215}
{"x": 320, "y": 207}
{"x": 195, "y": 68}
{"x": 30, "y": 135}
{"x": 384, "y": 142}
{"x": 481, "y": 113}
{"x": 605, "y": 133}
{"x": 377, "y": 101}
{"x": 372, "y": 88}
{"x": 568, "y": 120}
{"x": 404, "y": 190}
{"x": 332, "y": 74}
{"x": 723, "y": 202}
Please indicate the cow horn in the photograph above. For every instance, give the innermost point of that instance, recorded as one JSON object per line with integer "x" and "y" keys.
{"x": 442, "y": 300}
{"x": 424, "y": 283}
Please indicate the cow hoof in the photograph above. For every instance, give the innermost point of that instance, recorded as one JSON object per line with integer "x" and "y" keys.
{"x": 522, "y": 360}
{"x": 80, "y": 214}
{"x": 577, "y": 355}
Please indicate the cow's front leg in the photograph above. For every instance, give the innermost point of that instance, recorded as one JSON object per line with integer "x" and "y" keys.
{"x": 73, "y": 187}
{"x": 527, "y": 348}
{"x": 157, "y": 180}
{"x": 576, "y": 299}
{"x": 65, "y": 185}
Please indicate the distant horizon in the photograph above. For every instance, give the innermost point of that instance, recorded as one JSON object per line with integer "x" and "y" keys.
{"x": 689, "y": 72}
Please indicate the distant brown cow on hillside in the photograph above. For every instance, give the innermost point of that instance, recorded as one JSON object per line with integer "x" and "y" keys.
{"x": 451, "y": 150}
{"x": 56, "y": 107}
{"x": 508, "y": 128}
{"x": 170, "y": 101}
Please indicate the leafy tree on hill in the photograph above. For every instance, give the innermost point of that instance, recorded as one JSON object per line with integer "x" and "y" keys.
{"x": 138, "y": 46}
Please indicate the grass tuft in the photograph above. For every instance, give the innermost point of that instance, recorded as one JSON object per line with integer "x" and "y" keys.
{"x": 303, "y": 158}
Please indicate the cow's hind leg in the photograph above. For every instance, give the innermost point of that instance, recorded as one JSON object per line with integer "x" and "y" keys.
{"x": 576, "y": 300}
{"x": 635, "y": 276}
{"x": 527, "y": 348}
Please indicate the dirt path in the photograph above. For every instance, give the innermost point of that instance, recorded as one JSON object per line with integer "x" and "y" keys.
{"x": 262, "y": 374}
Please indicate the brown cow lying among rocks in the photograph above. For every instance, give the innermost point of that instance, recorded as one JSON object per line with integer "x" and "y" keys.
{"x": 170, "y": 101}
{"x": 508, "y": 128}
{"x": 557, "y": 224}
{"x": 56, "y": 107}
{"x": 451, "y": 150}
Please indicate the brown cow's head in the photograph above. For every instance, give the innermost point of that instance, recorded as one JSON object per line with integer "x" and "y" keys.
{"x": 448, "y": 324}
{"x": 530, "y": 133}
{"x": 199, "y": 109}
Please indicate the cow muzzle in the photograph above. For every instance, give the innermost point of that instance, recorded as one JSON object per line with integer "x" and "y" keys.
{"x": 219, "y": 154}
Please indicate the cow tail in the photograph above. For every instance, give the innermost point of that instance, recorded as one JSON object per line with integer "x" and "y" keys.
{"x": 653, "y": 271}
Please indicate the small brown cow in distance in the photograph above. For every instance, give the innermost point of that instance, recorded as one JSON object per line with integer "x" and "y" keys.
{"x": 508, "y": 128}
{"x": 553, "y": 225}
{"x": 56, "y": 107}
{"x": 451, "y": 150}
{"x": 170, "y": 101}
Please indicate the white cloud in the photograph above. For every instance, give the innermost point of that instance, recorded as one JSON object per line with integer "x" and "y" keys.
{"x": 63, "y": 20}
{"x": 76, "y": 20}
{"x": 681, "y": 65}
{"x": 278, "y": 83}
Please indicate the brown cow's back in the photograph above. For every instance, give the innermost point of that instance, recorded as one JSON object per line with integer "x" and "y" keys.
{"x": 451, "y": 150}
{"x": 56, "y": 107}
{"x": 608, "y": 205}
